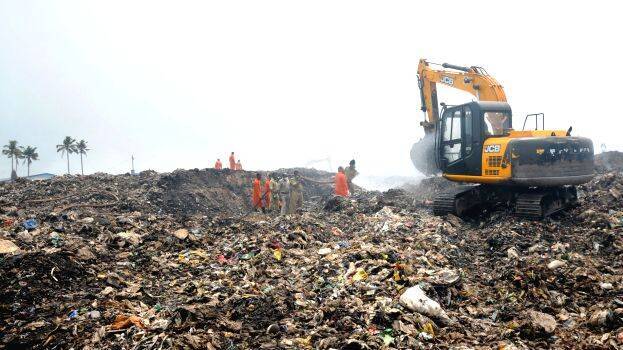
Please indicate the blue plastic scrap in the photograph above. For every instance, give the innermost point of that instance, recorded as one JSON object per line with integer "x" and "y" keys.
{"x": 30, "y": 224}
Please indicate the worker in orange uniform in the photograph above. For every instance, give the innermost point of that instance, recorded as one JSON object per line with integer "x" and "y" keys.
{"x": 238, "y": 165}
{"x": 267, "y": 192}
{"x": 218, "y": 165}
{"x": 256, "y": 198}
{"x": 341, "y": 183}
{"x": 232, "y": 161}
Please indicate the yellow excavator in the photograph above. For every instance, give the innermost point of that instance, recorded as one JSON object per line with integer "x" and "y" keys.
{"x": 535, "y": 171}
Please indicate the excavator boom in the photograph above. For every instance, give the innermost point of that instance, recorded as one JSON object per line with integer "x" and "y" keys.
{"x": 474, "y": 80}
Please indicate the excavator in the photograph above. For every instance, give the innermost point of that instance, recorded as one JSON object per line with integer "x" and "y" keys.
{"x": 532, "y": 170}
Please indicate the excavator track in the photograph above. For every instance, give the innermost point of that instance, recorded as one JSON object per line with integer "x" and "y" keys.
{"x": 529, "y": 203}
{"x": 545, "y": 202}
{"x": 456, "y": 200}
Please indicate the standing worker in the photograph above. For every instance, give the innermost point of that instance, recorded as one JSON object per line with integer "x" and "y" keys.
{"x": 274, "y": 193}
{"x": 238, "y": 165}
{"x": 284, "y": 194}
{"x": 232, "y": 161}
{"x": 341, "y": 183}
{"x": 267, "y": 193}
{"x": 296, "y": 193}
{"x": 256, "y": 198}
{"x": 218, "y": 165}
{"x": 350, "y": 173}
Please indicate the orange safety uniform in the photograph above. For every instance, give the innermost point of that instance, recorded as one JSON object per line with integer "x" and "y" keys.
{"x": 232, "y": 162}
{"x": 341, "y": 186}
{"x": 267, "y": 192}
{"x": 257, "y": 194}
{"x": 238, "y": 166}
{"x": 218, "y": 165}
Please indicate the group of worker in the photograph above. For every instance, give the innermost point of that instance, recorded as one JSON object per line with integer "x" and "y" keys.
{"x": 233, "y": 165}
{"x": 283, "y": 195}
{"x": 344, "y": 186}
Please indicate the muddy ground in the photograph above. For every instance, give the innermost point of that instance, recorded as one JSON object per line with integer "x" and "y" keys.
{"x": 177, "y": 260}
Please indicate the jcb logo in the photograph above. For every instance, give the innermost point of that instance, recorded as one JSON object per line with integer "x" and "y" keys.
{"x": 447, "y": 80}
{"x": 492, "y": 149}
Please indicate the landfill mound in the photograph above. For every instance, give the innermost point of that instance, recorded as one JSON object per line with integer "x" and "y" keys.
{"x": 176, "y": 261}
{"x": 609, "y": 161}
{"x": 223, "y": 192}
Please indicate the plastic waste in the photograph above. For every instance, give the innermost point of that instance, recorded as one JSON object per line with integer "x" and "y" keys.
{"x": 415, "y": 299}
{"x": 277, "y": 254}
{"x": 30, "y": 224}
{"x": 555, "y": 264}
{"x": 123, "y": 322}
{"x": 7, "y": 246}
{"x": 360, "y": 275}
{"x": 324, "y": 251}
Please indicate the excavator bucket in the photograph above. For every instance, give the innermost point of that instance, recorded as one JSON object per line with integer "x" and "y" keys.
{"x": 423, "y": 155}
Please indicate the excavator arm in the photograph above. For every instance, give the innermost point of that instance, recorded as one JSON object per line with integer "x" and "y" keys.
{"x": 474, "y": 80}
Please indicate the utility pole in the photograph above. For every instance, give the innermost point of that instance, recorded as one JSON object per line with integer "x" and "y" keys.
{"x": 132, "y": 172}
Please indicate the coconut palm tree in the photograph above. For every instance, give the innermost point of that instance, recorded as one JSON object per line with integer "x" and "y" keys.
{"x": 19, "y": 154}
{"x": 81, "y": 147}
{"x": 13, "y": 151}
{"x": 68, "y": 146}
{"x": 30, "y": 154}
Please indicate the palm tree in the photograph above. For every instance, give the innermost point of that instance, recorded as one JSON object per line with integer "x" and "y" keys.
{"x": 68, "y": 146}
{"x": 30, "y": 154}
{"x": 81, "y": 146}
{"x": 13, "y": 151}
{"x": 19, "y": 154}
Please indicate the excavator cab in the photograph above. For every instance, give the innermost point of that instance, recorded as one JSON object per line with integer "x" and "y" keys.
{"x": 463, "y": 130}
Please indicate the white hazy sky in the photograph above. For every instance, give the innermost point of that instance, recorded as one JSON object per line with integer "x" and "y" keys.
{"x": 180, "y": 83}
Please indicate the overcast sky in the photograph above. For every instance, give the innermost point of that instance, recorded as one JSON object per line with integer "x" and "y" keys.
{"x": 282, "y": 83}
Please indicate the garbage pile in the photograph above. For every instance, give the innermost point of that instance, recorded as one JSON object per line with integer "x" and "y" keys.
{"x": 170, "y": 261}
{"x": 609, "y": 161}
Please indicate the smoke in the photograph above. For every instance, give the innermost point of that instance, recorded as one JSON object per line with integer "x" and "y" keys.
{"x": 384, "y": 183}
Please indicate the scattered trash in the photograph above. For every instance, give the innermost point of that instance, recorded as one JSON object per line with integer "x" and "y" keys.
{"x": 415, "y": 299}
{"x": 130, "y": 236}
{"x": 540, "y": 322}
{"x": 30, "y": 224}
{"x": 512, "y": 253}
{"x": 181, "y": 233}
{"x": 601, "y": 318}
{"x": 277, "y": 254}
{"x": 606, "y": 286}
{"x": 123, "y": 322}
{"x": 324, "y": 251}
{"x": 377, "y": 270}
{"x": 93, "y": 314}
{"x": 556, "y": 264}
{"x": 360, "y": 275}
{"x": 8, "y": 247}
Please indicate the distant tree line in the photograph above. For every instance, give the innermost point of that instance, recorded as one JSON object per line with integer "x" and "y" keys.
{"x": 29, "y": 154}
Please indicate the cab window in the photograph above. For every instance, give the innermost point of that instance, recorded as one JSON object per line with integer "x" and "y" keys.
{"x": 452, "y": 145}
{"x": 496, "y": 123}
